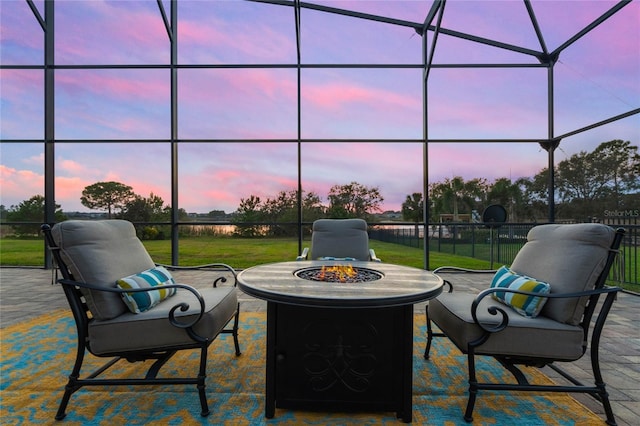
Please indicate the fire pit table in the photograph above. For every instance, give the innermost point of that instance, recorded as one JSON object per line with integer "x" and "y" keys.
{"x": 339, "y": 333}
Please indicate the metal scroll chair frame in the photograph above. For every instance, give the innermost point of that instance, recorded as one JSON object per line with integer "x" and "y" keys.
{"x": 161, "y": 355}
{"x": 597, "y": 390}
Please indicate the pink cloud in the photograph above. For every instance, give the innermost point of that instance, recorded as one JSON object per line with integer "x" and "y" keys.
{"x": 345, "y": 94}
{"x": 224, "y": 177}
{"x": 21, "y": 34}
{"x": 72, "y": 167}
{"x": 145, "y": 189}
{"x": 111, "y": 33}
{"x": 17, "y": 83}
{"x": 112, "y": 104}
{"x": 207, "y": 37}
{"x": 269, "y": 83}
{"x": 210, "y": 87}
{"x": 237, "y": 103}
{"x": 135, "y": 85}
{"x": 191, "y": 32}
{"x": 486, "y": 160}
{"x": 486, "y": 120}
{"x": 69, "y": 191}
{"x": 21, "y": 94}
{"x": 35, "y": 160}
{"x": 20, "y": 185}
{"x": 396, "y": 169}
{"x": 265, "y": 170}
{"x": 199, "y": 194}
{"x": 374, "y": 105}
{"x": 488, "y": 103}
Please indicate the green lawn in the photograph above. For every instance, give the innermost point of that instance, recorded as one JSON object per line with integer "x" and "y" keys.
{"x": 238, "y": 252}
{"x": 242, "y": 253}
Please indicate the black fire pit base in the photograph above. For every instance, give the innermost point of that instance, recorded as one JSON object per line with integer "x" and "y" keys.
{"x": 339, "y": 359}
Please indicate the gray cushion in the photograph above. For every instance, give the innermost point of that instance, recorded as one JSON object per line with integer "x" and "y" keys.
{"x": 340, "y": 238}
{"x": 529, "y": 337}
{"x": 151, "y": 329}
{"x": 101, "y": 252}
{"x": 568, "y": 257}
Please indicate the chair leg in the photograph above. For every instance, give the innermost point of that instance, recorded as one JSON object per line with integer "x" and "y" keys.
{"x": 468, "y": 414}
{"x": 202, "y": 374}
{"x": 602, "y": 395}
{"x": 604, "y": 398}
{"x": 235, "y": 332}
{"x": 69, "y": 389}
{"x": 427, "y": 348}
{"x": 430, "y": 334}
{"x": 473, "y": 388}
{"x": 72, "y": 384}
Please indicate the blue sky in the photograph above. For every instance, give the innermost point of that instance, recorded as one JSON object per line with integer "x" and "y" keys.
{"x": 597, "y": 77}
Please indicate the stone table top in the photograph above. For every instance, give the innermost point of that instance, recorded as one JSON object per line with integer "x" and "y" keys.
{"x": 397, "y": 285}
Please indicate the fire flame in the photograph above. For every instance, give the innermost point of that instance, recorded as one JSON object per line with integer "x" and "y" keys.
{"x": 337, "y": 272}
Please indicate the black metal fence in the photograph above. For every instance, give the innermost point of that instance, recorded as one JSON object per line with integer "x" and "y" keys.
{"x": 499, "y": 246}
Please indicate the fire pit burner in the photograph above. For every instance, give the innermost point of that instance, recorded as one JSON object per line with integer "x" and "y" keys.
{"x": 338, "y": 274}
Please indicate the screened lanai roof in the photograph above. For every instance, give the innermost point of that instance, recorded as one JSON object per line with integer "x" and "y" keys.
{"x": 514, "y": 36}
{"x": 237, "y": 86}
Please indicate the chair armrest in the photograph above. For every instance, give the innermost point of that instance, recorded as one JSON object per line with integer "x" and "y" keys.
{"x": 373, "y": 257}
{"x": 304, "y": 255}
{"x": 214, "y": 267}
{"x": 457, "y": 269}
{"x": 172, "y": 318}
{"x": 494, "y": 310}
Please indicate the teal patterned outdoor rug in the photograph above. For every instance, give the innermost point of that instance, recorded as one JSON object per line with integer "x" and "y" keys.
{"x": 37, "y": 355}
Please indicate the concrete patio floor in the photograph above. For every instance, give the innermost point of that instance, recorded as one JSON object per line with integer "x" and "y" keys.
{"x": 26, "y": 293}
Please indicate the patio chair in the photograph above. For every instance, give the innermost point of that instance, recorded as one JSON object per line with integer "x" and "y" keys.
{"x": 536, "y": 313}
{"x": 345, "y": 239}
{"x": 128, "y": 308}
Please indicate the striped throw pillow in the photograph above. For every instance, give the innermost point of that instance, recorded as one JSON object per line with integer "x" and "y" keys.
{"x": 144, "y": 300}
{"x": 528, "y": 306}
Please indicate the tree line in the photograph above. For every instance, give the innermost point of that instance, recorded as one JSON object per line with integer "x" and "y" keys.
{"x": 278, "y": 216}
{"x": 587, "y": 184}
{"x": 116, "y": 199}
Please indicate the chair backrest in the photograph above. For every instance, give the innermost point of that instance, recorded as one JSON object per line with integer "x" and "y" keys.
{"x": 100, "y": 253}
{"x": 571, "y": 258}
{"x": 340, "y": 238}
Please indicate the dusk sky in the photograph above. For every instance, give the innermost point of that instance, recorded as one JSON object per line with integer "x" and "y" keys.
{"x": 596, "y": 78}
